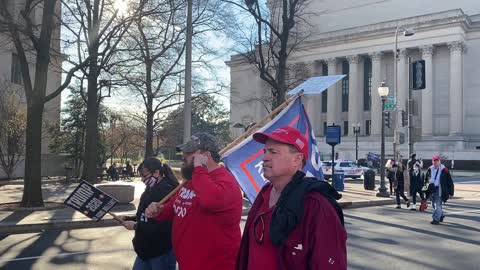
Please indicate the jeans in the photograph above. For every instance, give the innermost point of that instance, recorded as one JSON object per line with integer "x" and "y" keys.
{"x": 437, "y": 204}
{"x": 164, "y": 262}
{"x": 399, "y": 193}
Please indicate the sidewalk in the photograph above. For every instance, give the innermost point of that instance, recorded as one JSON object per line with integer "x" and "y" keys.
{"x": 14, "y": 222}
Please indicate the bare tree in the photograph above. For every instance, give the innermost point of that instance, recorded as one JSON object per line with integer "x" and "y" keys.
{"x": 12, "y": 128}
{"x": 32, "y": 38}
{"x": 152, "y": 62}
{"x": 279, "y": 27}
{"x": 96, "y": 28}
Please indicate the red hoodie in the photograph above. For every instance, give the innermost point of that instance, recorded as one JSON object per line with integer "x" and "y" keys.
{"x": 206, "y": 220}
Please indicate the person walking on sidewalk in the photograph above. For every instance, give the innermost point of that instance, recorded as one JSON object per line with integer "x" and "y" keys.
{"x": 416, "y": 185}
{"x": 295, "y": 221}
{"x": 206, "y": 211}
{"x": 440, "y": 177}
{"x": 390, "y": 172}
{"x": 152, "y": 240}
{"x": 399, "y": 184}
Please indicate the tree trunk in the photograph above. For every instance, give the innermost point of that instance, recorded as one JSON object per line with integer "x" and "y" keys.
{"x": 91, "y": 137}
{"x": 32, "y": 191}
{"x": 149, "y": 135}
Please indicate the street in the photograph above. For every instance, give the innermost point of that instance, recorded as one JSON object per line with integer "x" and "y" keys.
{"x": 379, "y": 238}
{"x": 387, "y": 238}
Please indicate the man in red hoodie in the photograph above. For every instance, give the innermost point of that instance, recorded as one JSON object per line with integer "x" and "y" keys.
{"x": 206, "y": 211}
{"x": 295, "y": 221}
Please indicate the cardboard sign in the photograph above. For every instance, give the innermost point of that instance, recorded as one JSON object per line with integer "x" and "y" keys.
{"x": 90, "y": 201}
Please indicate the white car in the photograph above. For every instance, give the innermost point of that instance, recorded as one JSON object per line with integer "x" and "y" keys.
{"x": 350, "y": 168}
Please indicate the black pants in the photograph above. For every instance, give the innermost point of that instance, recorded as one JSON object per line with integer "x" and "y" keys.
{"x": 399, "y": 193}
{"x": 390, "y": 181}
{"x": 414, "y": 196}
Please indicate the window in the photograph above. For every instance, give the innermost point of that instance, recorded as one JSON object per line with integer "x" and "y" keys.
{"x": 345, "y": 128}
{"x": 16, "y": 72}
{"x": 324, "y": 128}
{"x": 367, "y": 84}
{"x": 345, "y": 70}
{"x": 324, "y": 93}
{"x": 368, "y": 126}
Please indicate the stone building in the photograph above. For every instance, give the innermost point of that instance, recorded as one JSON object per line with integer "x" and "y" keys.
{"x": 357, "y": 38}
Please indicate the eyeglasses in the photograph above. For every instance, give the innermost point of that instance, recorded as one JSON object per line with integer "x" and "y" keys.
{"x": 258, "y": 231}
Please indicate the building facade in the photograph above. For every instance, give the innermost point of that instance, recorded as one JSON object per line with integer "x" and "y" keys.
{"x": 356, "y": 38}
{"x": 11, "y": 77}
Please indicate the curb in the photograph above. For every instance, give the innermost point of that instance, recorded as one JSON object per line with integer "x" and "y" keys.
{"x": 7, "y": 229}
{"x": 12, "y": 228}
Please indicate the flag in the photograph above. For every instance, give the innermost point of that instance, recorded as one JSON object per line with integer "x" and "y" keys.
{"x": 244, "y": 160}
{"x": 316, "y": 85}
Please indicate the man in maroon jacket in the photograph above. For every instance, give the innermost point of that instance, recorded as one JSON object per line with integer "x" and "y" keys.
{"x": 295, "y": 221}
{"x": 206, "y": 211}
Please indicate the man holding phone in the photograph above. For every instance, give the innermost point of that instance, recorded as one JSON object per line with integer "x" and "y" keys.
{"x": 206, "y": 211}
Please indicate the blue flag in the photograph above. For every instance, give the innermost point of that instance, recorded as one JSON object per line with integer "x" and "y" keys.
{"x": 245, "y": 160}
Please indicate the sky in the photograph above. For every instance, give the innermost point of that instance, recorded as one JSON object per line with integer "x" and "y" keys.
{"x": 217, "y": 41}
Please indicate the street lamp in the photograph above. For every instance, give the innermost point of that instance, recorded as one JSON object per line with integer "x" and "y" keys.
{"x": 356, "y": 131}
{"x": 382, "y": 191}
{"x": 407, "y": 32}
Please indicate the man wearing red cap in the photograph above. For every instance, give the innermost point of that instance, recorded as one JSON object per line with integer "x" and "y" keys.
{"x": 295, "y": 221}
{"x": 440, "y": 177}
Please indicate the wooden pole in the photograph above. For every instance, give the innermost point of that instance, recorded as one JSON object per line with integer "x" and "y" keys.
{"x": 260, "y": 123}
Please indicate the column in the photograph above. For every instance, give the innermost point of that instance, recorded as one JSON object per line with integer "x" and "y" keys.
{"x": 333, "y": 95}
{"x": 456, "y": 88}
{"x": 354, "y": 93}
{"x": 314, "y": 102}
{"x": 427, "y": 93}
{"x": 376, "y": 100}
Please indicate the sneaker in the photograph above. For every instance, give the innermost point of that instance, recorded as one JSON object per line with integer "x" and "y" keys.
{"x": 413, "y": 209}
{"x": 398, "y": 207}
{"x": 442, "y": 218}
{"x": 408, "y": 204}
{"x": 434, "y": 222}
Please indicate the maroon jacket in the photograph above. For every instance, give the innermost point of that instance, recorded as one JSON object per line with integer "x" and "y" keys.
{"x": 318, "y": 242}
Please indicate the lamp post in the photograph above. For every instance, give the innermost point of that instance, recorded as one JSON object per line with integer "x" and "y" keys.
{"x": 382, "y": 191}
{"x": 356, "y": 131}
{"x": 406, "y": 32}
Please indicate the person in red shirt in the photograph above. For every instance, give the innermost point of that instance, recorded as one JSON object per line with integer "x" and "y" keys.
{"x": 206, "y": 211}
{"x": 295, "y": 221}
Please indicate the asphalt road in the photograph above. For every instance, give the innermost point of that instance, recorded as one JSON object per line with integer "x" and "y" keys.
{"x": 387, "y": 238}
{"x": 379, "y": 238}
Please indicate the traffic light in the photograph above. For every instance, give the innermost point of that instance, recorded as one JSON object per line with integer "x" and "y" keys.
{"x": 404, "y": 118}
{"x": 418, "y": 75}
{"x": 387, "y": 118}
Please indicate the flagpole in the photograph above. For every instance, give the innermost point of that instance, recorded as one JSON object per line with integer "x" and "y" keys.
{"x": 251, "y": 130}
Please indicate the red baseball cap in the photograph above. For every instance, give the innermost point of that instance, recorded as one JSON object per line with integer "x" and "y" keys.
{"x": 435, "y": 157}
{"x": 286, "y": 135}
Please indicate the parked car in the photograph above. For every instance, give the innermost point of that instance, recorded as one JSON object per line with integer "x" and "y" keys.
{"x": 350, "y": 168}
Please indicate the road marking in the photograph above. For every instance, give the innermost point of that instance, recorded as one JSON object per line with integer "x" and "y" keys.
{"x": 62, "y": 254}
{"x": 465, "y": 181}
{"x": 461, "y": 205}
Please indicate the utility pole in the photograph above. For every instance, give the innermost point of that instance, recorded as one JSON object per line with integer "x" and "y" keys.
{"x": 187, "y": 109}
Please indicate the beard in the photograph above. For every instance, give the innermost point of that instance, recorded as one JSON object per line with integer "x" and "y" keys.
{"x": 187, "y": 171}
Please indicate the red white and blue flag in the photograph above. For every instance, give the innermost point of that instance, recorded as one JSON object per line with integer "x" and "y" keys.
{"x": 245, "y": 159}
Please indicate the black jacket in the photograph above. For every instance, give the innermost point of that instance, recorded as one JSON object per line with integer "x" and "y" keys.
{"x": 446, "y": 182}
{"x": 152, "y": 238}
{"x": 416, "y": 182}
{"x": 289, "y": 209}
